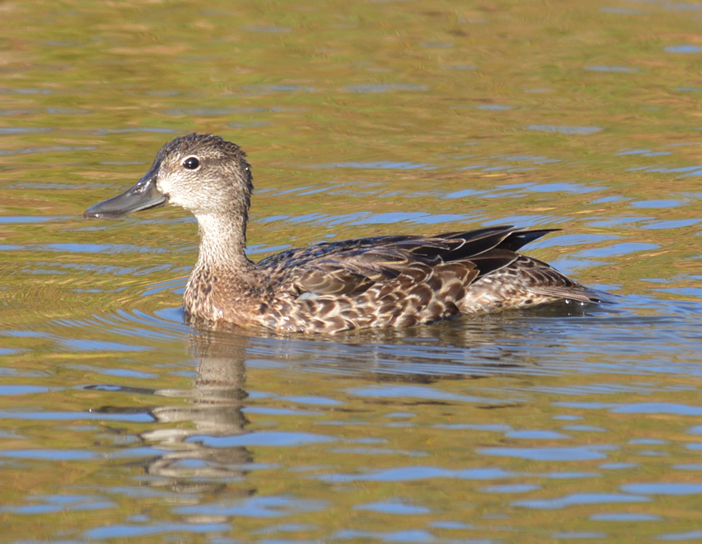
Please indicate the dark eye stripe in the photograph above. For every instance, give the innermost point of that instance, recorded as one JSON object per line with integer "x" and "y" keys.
{"x": 191, "y": 163}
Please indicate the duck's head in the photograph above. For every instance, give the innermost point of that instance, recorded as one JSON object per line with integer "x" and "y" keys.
{"x": 199, "y": 172}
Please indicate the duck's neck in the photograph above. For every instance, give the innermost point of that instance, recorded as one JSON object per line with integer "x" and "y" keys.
{"x": 222, "y": 242}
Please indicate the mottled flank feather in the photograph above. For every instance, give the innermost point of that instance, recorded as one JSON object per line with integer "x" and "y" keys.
{"x": 384, "y": 281}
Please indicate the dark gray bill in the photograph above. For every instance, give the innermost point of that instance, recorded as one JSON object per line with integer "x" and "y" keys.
{"x": 142, "y": 196}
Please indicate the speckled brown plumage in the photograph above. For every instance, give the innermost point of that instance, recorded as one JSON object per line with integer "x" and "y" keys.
{"x": 384, "y": 281}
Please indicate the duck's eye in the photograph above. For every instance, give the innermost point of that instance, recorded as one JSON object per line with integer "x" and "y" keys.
{"x": 191, "y": 163}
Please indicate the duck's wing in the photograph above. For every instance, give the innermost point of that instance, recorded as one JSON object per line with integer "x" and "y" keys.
{"x": 448, "y": 247}
{"x": 353, "y": 266}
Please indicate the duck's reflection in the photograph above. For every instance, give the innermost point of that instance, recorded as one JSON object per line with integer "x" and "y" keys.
{"x": 216, "y": 407}
{"x": 475, "y": 349}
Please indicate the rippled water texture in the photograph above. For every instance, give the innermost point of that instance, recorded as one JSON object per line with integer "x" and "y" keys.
{"x": 120, "y": 423}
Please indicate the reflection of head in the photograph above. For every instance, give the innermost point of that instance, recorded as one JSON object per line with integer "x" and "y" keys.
{"x": 213, "y": 408}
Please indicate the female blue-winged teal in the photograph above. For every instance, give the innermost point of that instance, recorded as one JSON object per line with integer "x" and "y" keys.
{"x": 384, "y": 281}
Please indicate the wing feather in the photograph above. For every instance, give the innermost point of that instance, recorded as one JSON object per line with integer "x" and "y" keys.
{"x": 351, "y": 267}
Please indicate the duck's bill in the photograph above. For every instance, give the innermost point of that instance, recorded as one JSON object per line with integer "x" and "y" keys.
{"x": 143, "y": 196}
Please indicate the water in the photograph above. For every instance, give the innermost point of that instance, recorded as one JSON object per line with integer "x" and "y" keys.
{"x": 120, "y": 423}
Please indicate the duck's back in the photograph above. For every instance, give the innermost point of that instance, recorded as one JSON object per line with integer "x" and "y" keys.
{"x": 396, "y": 281}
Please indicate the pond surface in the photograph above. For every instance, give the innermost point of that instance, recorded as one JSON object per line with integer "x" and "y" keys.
{"x": 120, "y": 423}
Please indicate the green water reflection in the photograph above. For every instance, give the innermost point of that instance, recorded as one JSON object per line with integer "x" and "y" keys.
{"x": 360, "y": 118}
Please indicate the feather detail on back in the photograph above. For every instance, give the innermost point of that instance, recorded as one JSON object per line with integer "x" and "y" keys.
{"x": 402, "y": 280}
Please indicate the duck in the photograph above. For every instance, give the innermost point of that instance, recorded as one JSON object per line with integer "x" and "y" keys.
{"x": 385, "y": 281}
